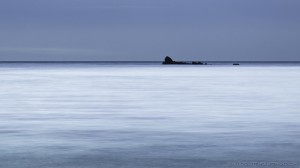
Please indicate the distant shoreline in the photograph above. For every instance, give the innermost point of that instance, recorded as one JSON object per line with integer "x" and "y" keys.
{"x": 142, "y": 62}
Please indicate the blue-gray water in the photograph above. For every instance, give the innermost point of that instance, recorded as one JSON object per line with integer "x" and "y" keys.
{"x": 149, "y": 115}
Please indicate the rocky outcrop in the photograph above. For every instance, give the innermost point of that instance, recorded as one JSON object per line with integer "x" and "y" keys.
{"x": 169, "y": 60}
{"x": 199, "y": 63}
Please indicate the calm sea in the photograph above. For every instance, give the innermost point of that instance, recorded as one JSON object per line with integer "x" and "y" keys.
{"x": 136, "y": 115}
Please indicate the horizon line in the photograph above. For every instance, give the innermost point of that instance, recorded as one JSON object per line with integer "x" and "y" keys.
{"x": 145, "y": 61}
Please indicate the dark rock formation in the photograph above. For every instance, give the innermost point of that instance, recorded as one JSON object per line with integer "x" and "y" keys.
{"x": 169, "y": 60}
{"x": 197, "y": 62}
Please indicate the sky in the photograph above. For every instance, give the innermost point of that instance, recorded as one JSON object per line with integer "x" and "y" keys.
{"x": 148, "y": 30}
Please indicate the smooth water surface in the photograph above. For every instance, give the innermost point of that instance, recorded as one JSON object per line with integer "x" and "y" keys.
{"x": 149, "y": 115}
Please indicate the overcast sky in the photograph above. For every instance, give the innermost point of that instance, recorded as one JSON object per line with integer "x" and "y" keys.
{"x": 148, "y": 30}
